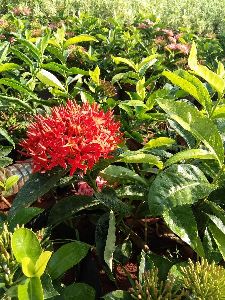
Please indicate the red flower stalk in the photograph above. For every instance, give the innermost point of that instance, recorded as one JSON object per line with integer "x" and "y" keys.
{"x": 72, "y": 135}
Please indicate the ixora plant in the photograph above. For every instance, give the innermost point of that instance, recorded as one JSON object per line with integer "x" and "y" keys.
{"x": 29, "y": 271}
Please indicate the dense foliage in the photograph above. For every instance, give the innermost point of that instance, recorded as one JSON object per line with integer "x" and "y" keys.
{"x": 124, "y": 125}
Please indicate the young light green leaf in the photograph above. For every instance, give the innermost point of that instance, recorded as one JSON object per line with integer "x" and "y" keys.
{"x": 49, "y": 79}
{"x": 146, "y": 63}
{"x": 126, "y": 61}
{"x": 199, "y": 125}
{"x": 25, "y": 244}
{"x": 41, "y": 263}
{"x": 140, "y": 88}
{"x": 110, "y": 241}
{"x": 8, "y": 67}
{"x": 212, "y": 78}
{"x": 28, "y": 267}
{"x": 189, "y": 154}
{"x": 95, "y": 75}
{"x": 182, "y": 222}
{"x": 159, "y": 142}
{"x": 23, "y": 290}
{"x": 176, "y": 186}
{"x": 11, "y": 181}
{"x": 79, "y": 39}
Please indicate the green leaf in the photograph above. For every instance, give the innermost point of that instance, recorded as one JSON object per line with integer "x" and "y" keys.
{"x": 95, "y": 75}
{"x": 126, "y": 61}
{"x": 140, "y": 88}
{"x": 11, "y": 181}
{"x": 75, "y": 70}
{"x": 41, "y": 263}
{"x": 66, "y": 257}
{"x": 212, "y": 78}
{"x": 25, "y": 244}
{"x": 110, "y": 241}
{"x": 140, "y": 157}
{"x": 79, "y": 39}
{"x": 35, "y": 290}
{"x": 118, "y": 295}
{"x": 120, "y": 174}
{"x": 5, "y": 134}
{"x": 146, "y": 63}
{"x": 183, "y": 84}
{"x": 17, "y": 86}
{"x": 203, "y": 94}
{"x": 17, "y": 101}
{"x": 48, "y": 288}
{"x": 36, "y": 186}
{"x": 55, "y": 67}
{"x": 23, "y": 290}
{"x": 5, "y": 161}
{"x": 68, "y": 207}
{"x": 199, "y": 125}
{"x": 109, "y": 198}
{"x": 8, "y": 67}
{"x": 22, "y": 56}
{"x": 28, "y": 267}
{"x": 78, "y": 291}
{"x": 23, "y": 216}
{"x": 218, "y": 235}
{"x": 182, "y": 222}
{"x": 49, "y": 79}
{"x": 159, "y": 142}
{"x": 176, "y": 186}
{"x": 189, "y": 154}
{"x": 32, "y": 48}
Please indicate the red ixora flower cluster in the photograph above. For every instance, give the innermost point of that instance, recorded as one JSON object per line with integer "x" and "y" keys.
{"x": 72, "y": 135}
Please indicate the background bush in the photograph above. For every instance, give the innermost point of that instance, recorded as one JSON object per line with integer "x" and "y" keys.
{"x": 201, "y": 16}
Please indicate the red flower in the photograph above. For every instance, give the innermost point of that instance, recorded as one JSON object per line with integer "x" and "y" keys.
{"x": 72, "y": 135}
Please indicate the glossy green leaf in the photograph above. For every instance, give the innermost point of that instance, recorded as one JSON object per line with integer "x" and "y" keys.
{"x": 109, "y": 199}
{"x": 212, "y": 78}
{"x": 68, "y": 207}
{"x": 120, "y": 174}
{"x": 66, "y": 257}
{"x": 189, "y": 154}
{"x": 182, "y": 222}
{"x": 159, "y": 142}
{"x": 23, "y": 216}
{"x": 78, "y": 291}
{"x": 110, "y": 241}
{"x": 36, "y": 186}
{"x": 53, "y": 66}
{"x": 32, "y": 48}
{"x": 48, "y": 288}
{"x": 118, "y": 295}
{"x": 219, "y": 235}
{"x": 199, "y": 125}
{"x": 22, "y": 88}
{"x": 146, "y": 63}
{"x": 126, "y": 61}
{"x": 203, "y": 94}
{"x": 176, "y": 186}
{"x": 49, "y": 79}
{"x": 22, "y": 56}
{"x": 79, "y": 39}
{"x": 25, "y": 244}
{"x": 5, "y": 134}
{"x": 140, "y": 157}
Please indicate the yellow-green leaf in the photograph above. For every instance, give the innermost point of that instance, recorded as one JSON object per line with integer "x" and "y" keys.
{"x": 79, "y": 39}
{"x": 41, "y": 263}
{"x": 28, "y": 267}
{"x": 49, "y": 79}
{"x": 159, "y": 142}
